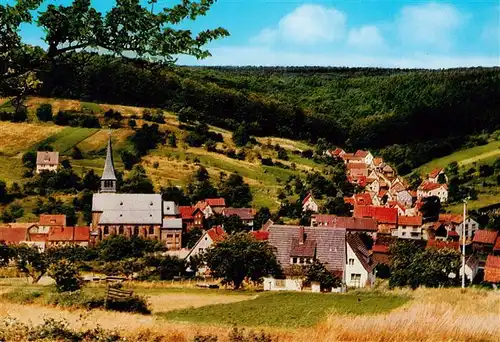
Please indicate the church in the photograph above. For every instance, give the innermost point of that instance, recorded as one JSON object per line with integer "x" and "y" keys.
{"x": 145, "y": 215}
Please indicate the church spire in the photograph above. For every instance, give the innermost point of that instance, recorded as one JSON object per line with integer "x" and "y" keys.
{"x": 108, "y": 179}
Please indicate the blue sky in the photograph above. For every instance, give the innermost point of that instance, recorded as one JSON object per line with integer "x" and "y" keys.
{"x": 344, "y": 33}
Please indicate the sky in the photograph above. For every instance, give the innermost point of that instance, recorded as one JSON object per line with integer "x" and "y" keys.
{"x": 384, "y": 33}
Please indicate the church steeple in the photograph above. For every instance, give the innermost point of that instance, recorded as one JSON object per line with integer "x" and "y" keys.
{"x": 108, "y": 179}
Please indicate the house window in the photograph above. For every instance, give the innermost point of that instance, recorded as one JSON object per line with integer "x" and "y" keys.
{"x": 106, "y": 230}
{"x": 351, "y": 261}
{"x": 120, "y": 230}
{"x": 403, "y": 233}
{"x": 279, "y": 283}
{"x": 294, "y": 260}
{"x": 151, "y": 230}
{"x": 356, "y": 279}
{"x": 136, "y": 230}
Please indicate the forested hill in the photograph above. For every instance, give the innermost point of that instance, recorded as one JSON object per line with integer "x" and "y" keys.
{"x": 426, "y": 113}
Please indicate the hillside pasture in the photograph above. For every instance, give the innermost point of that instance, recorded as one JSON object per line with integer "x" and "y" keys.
{"x": 97, "y": 142}
{"x": 17, "y": 137}
{"x": 464, "y": 157}
{"x": 67, "y": 138}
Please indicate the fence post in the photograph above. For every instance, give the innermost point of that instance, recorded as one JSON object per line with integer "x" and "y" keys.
{"x": 106, "y": 297}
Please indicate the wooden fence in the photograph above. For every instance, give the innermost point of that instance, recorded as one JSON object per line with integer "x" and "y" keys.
{"x": 114, "y": 293}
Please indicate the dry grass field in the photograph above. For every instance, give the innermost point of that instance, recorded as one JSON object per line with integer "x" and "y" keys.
{"x": 18, "y": 137}
{"x": 431, "y": 315}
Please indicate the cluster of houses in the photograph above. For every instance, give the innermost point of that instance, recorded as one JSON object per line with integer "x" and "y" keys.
{"x": 385, "y": 211}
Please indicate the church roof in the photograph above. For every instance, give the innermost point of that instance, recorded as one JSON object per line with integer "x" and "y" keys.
{"x": 128, "y": 208}
{"x": 109, "y": 167}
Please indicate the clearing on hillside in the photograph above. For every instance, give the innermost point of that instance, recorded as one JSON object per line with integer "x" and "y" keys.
{"x": 16, "y": 137}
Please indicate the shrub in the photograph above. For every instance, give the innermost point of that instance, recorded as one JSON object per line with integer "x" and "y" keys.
{"x": 76, "y": 153}
{"x": 132, "y": 123}
{"x": 66, "y": 276}
{"x": 44, "y": 112}
{"x": 134, "y": 303}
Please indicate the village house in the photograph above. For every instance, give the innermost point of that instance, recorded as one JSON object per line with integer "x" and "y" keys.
{"x": 399, "y": 206}
{"x": 409, "y": 227}
{"x": 442, "y": 244}
{"x": 309, "y": 204}
{"x": 246, "y": 215}
{"x": 492, "y": 269}
{"x": 437, "y": 175}
{"x": 211, "y": 206}
{"x": 350, "y": 224}
{"x": 192, "y": 217}
{"x": 47, "y": 161}
{"x": 132, "y": 214}
{"x": 496, "y": 248}
{"x": 297, "y": 245}
{"x": 356, "y": 170}
{"x": 373, "y": 185}
{"x": 207, "y": 240}
{"x": 471, "y": 226}
{"x": 68, "y": 236}
{"x": 359, "y": 269}
{"x": 404, "y": 197}
{"x": 386, "y": 217}
{"x": 378, "y": 164}
{"x": 365, "y": 156}
{"x": 388, "y": 172}
{"x": 351, "y": 158}
{"x": 471, "y": 268}
{"x": 427, "y": 189}
{"x": 359, "y": 199}
{"x": 484, "y": 241}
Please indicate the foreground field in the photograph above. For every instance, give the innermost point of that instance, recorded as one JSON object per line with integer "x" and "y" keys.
{"x": 421, "y": 315}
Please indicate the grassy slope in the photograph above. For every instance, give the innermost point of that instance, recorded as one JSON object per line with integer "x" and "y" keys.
{"x": 290, "y": 310}
{"x": 175, "y": 164}
{"x": 471, "y": 157}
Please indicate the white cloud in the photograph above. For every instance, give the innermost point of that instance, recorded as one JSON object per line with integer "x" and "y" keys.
{"x": 365, "y": 37}
{"x": 266, "y": 36}
{"x": 431, "y": 23}
{"x": 265, "y": 56}
{"x": 307, "y": 24}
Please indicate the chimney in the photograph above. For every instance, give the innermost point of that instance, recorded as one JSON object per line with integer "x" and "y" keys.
{"x": 301, "y": 235}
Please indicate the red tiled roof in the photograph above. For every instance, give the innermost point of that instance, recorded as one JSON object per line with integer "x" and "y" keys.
{"x": 443, "y": 244}
{"x": 381, "y": 193}
{"x": 349, "y": 200}
{"x": 381, "y": 214}
{"x": 338, "y": 151}
{"x": 38, "y": 237}
{"x": 453, "y": 218}
{"x": 186, "y": 212}
{"x": 216, "y": 202}
{"x": 348, "y": 223}
{"x": 497, "y": 245}
{"x": 377, "y": 161}
{"x": 304, "y": 201}
{"x": 260, "y": 235}
{"x": 242, "y": 213}
{"x": 363, "y": 199}
{"x": 216, "y": 233}
{"x": 485, "y": 236}
{"x": 380, "y": 249}
{"x": 359, "y": 248}
{"x": 13, "y": 235}
{"x": 410, "y": 220}
{"x": 492, "y": 269}
{"x": 361, "y": 153}
{"x": 69, "y": 234}
{"x": 428, "y": 186}
{"x": 452, "y": 233}
{"x": 357, "y": 166}
{"x": 350, "y": 156}
{"x": 434, "y": 173}
{"x": 52, "y": 220}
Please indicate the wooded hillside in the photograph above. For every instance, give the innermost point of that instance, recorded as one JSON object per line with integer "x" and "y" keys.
{"x": 431, "y": 113}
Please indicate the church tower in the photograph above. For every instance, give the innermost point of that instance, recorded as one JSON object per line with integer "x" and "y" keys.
{"x": 108, "y": 179}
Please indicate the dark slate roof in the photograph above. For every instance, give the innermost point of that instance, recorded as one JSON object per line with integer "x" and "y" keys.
{"x": 330, "y": 244}
{"x": 362, "y": 253}
{"x": 305, "y": 249}
{"x": 109, "y": 167}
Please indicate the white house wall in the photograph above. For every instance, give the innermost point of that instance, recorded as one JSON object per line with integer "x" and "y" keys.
{"x": 356, "y": 268}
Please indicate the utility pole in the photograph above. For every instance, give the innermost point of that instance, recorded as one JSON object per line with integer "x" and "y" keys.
{"x": 463, "y": 243}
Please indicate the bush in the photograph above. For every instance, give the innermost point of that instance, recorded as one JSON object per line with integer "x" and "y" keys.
{"x": 44, "y": 112}
{"x": 66, "y": 276}
{"x": 136, "y": 304}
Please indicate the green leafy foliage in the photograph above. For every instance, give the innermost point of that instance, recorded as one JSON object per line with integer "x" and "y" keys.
{"x": 66, "y": 275}
{"x": 137, "y": 181}
{"x": 235, "y": 191}
{"x": 118, "y": 247}
{"x": 241, "y": 256}
{"x": 30, "y": 261}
